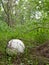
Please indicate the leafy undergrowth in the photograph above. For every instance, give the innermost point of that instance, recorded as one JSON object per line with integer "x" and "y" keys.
{"x": 28, "y": 37}
{"x": 23, "y": 59}
{"x": 29, "y": 57}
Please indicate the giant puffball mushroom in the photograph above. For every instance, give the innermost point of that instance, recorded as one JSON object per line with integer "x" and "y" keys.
{"x": 14, "y": 47}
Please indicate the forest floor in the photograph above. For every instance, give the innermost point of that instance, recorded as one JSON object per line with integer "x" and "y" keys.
{"x": 33, "y": 56}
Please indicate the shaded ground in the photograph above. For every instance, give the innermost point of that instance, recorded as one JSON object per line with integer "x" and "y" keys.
{"x": 42, "y": 50}
{"x": 32, "y": 56}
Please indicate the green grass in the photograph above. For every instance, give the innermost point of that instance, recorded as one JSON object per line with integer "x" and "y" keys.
{"x": 30, "y": 38}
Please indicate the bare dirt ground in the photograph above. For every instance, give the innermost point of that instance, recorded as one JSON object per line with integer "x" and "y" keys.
{"x": 43, "y": 50}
